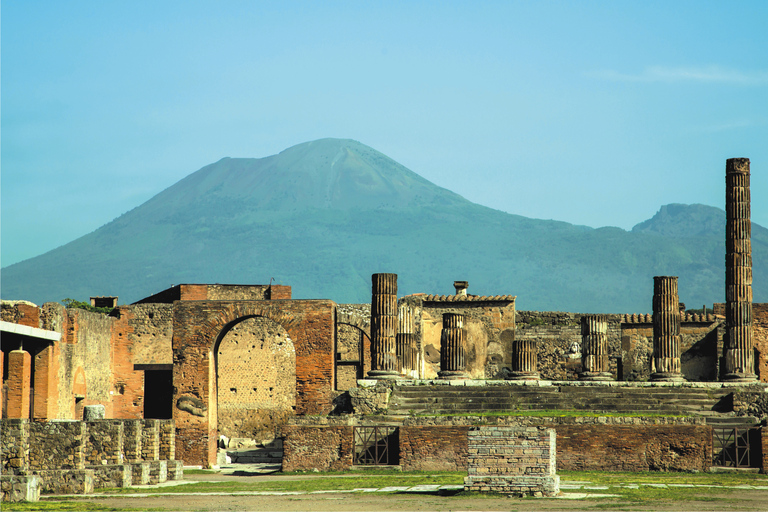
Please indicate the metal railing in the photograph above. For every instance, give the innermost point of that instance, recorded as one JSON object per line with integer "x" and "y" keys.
{"x": 376, "y": 446}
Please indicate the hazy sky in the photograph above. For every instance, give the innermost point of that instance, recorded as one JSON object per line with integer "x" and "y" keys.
{"x": 595, "y": 113}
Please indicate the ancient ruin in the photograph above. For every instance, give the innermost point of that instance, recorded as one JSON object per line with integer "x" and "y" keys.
{"x": 666, "y": 330}
{"x": 198, "y": 370}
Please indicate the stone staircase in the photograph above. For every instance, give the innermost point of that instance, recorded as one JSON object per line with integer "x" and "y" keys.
{"x": 710, "y": 402}
{"x": 243, "y": 457}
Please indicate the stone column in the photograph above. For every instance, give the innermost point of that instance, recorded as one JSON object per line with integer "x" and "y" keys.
{"x": 666, "y": 329}
{"x": 524, "y": 360}
{"x": 452, "y": 346}
{"x": 384, "y": 327}
{"x": 739, "y": 348}
{"x": 407, "y": 352}
{"x": 594, "y": 348}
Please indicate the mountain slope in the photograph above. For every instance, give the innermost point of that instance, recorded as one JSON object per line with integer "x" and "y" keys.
{"x": 323, "y": 216}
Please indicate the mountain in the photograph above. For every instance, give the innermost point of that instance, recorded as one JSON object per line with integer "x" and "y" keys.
{"x": 324, "y": 215}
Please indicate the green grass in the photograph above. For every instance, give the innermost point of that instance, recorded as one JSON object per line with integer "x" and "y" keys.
{"x": 655, "y": 477}
{"x": 64, "y": 506}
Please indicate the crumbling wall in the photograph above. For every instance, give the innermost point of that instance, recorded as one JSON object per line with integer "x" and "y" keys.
{"x": 353, "y": 344}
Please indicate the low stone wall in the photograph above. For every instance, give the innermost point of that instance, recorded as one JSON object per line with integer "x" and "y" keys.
{"x": 440, "y": 444}
{"x": 325, "y": 448}
{"x": 513, "y": 460}
{"x": 71, "y": 457}
{"x": 433, "y": 449}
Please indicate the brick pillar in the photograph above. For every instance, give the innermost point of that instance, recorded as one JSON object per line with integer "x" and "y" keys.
{"x": 19, "y": 381}
{"x": 45, "y": 384}
{"x": 452, "y": 347}
{"x": 594, "y": 348}
{"x": 384, "y": 327}
{"x": 407, "y": 351}
{"x": 739, "y": 347}
{"x": 666, "y": 329}
{"x": 524, "y": 360}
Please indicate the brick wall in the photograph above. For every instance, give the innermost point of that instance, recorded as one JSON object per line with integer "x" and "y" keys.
{"x": 583, "y": 444}
{"x": 433, "y": 448}
{"x": 57, "y": 445}
{"x": 328, "y": 448}
{"x": 104, "y": 442}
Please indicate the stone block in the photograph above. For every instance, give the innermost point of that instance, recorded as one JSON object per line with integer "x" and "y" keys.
{"x": 112, "y": 475}
{"x": 18, "y": 488}
{"x": 158, "y": 471}
{"x": 66, "y": 481}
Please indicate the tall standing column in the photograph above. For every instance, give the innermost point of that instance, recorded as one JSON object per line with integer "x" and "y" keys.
{"x": 384, "y": 327}
{"x": 452, "y": 347}
{"x": 739, "y": 350}
{"x": 594, "y": 348}
{"x": 666, "y": 329}
{"x": 524, "y": 360}
{"x": 407, "y": 353}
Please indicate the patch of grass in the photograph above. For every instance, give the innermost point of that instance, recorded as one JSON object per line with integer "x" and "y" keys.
{"x": 63, "y": 505}
{"x": 656, "y": 477}
{"x": 200, "y": 471}
{"x": 340, "y": 481}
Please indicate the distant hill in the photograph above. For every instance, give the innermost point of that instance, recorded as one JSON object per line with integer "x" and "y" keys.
{"x": 323, "y": 216}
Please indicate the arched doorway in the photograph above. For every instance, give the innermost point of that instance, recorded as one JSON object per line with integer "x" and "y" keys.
{"x": 256, "y": 379}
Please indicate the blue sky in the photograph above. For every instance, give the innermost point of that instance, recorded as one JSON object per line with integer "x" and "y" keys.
{"x": 594, "y": 113}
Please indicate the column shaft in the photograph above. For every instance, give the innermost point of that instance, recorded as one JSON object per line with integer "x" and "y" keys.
{"x": 594, "y": 348}
{"x": 452, "y": 347}
{"x": 666, "y": 329}
{"x": 384, "y": 363}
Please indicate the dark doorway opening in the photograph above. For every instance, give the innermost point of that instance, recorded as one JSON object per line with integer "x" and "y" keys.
{"x": 158, "y": 394}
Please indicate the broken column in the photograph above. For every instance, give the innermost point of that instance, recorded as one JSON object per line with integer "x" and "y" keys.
{"x": 666, "y": 330}
{"x": 524, "y": 360}
{"x": 594, "y": 348}
{"x": 452, "y": 347}
{"x": 384, "y": 327}
{"x": 407, "y": 352}
{"x": 19, "y": 381}
{"x": 739, "y": 349}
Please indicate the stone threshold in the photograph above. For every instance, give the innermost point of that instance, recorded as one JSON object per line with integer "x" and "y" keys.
{"x": 369, "y": 383}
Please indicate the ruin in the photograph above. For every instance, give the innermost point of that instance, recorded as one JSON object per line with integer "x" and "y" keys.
{"x": 594, "y": 348}
{"x": 739, "y": 357}
{"x": 249, "y": 362}
{"x": 666, "y": 330}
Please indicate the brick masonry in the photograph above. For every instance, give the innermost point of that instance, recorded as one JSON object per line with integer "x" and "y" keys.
{"x": 517, "y": 460}
{"x": 583, "y": 444}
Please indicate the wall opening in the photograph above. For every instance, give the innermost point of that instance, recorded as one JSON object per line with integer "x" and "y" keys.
{"x": 158, "y": 394}
{"x": 256, "y": 379}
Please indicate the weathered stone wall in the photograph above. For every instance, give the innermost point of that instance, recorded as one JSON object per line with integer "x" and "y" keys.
{"x": 353, "y": 346}
{"x": 14, "y": 446}
{"x": 700, "y": 343}
{"x": 328, "y": 448}
{"x": 583, "y": 443}
{"x": 760, "y": 338}
{"x": 150, "y": 329}
{"x": 57, "y": 445}
{"x": 434, "y": 448}
{"x": 104, "y": 442}
{"x": 256, "y": 368}
{"x": 489, "y": 324}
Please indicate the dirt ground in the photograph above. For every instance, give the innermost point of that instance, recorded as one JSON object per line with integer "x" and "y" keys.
{"x": 721, "y": 501}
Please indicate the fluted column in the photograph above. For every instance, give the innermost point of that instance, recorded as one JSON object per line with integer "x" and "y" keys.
{"x": 666, "y": 329}
{"x": 452, "y": 346}
{"x": 739, "y": 349}
{"x": 407, "y": 351}
{"x": 525, "y": 360}
{"x": 383, "y": 327}
{"x": 594, "y": 348}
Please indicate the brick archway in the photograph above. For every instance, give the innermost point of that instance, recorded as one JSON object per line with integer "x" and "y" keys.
{"x": 197, "y": 328}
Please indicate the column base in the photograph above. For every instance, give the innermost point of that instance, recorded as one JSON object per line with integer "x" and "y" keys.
{"x": 523, "y": 376}
{"x": 667, "y": 377}
{"x": 739, "y": 377}
{"x": 384, "y": 374}
{"x": 452, "y": 374}
{"x": 593, "y": 376}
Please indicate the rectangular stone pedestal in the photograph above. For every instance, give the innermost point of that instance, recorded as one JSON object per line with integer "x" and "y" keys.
{"x": 512, "y": 460}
